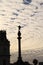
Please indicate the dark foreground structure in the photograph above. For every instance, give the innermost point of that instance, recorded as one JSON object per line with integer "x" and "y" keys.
{"x": 5, "y": 50}
{"x": 20, "y": 61}
{"x": 40, "y": 63}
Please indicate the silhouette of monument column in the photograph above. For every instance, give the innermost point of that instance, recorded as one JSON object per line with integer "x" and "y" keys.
{"x": 19, "y": 44}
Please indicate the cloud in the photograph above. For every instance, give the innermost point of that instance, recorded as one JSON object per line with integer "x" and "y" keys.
{"x": 15, "y": 13}
{"x": 2, "y": 14}
{"x": 0, "y": 1}
{"x": 13, "y": 18}
{"x": 27, "y": 1}
{"x": 41, "y": 3}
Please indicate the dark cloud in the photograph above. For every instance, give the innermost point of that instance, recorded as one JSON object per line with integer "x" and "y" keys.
{"x": 2, "y": 14}
{"x": 13, "y": 18}
{"x": 20, "y": 9}
{"x": 12, "y": 21}
{"x": 15, "y": 13}
{"x": 32, "y": 15}
{"x": 0, "y": 1}
{"x": 23, "y": 9}
{"x": 36, "y": 7}
{"x": 6, "y": 24}
{"x": 3, "y": 10}
{"x": 27, "y": 1}
{"x": 35, "y": 12}
{"x": 41, "y": 3}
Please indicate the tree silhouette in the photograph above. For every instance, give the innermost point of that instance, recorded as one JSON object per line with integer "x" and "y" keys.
{"x": 35, "y": 61}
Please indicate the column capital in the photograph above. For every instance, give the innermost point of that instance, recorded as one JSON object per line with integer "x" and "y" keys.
{"x": 19, "y": 27}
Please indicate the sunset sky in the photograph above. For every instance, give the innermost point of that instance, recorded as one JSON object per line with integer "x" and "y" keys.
{"x": 29, "y": 16}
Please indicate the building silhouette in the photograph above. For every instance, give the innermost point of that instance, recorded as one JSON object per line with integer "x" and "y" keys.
{"x": 4, "y": 49}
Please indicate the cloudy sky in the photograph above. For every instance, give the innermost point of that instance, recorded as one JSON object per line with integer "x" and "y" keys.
{"x": 29, "y": 16}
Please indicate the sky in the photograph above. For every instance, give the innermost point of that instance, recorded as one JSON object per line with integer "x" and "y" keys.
{"x": 29, "y": 16}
